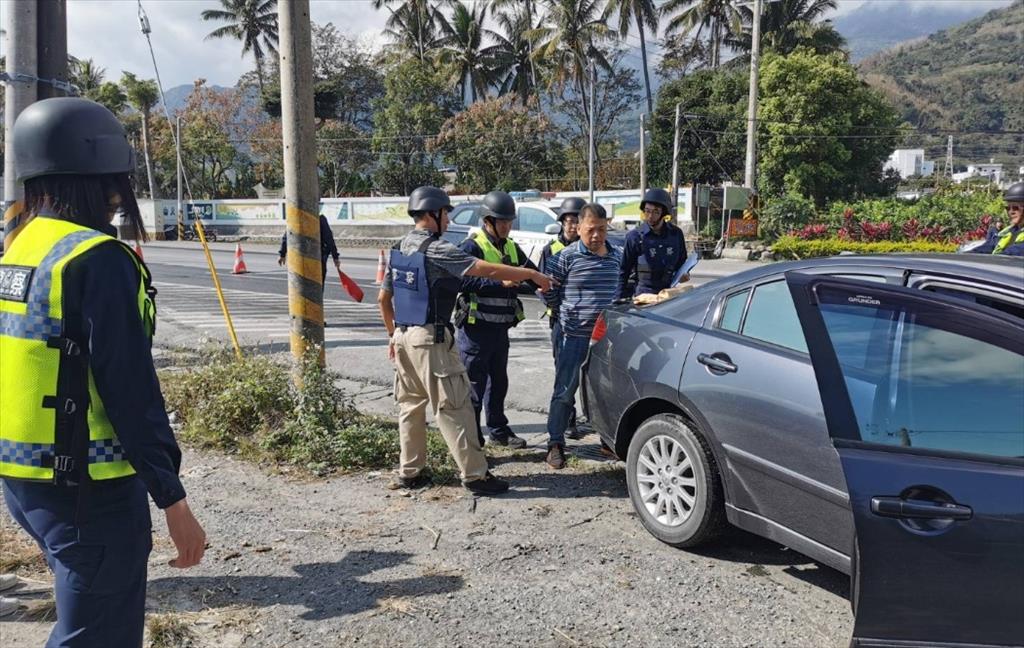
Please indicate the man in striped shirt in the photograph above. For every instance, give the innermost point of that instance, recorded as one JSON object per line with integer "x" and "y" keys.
{"x": 587, "y": 276}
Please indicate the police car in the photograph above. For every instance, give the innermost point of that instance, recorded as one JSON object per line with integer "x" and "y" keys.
{"x": 535, "y": 225}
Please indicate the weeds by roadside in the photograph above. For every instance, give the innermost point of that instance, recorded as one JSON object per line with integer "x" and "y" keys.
{"x": 18, "y": 553}
{"x": 169, "y": 631}
{"x": 251, "y": 407}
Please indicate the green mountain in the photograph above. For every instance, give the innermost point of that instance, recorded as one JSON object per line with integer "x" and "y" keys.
{"x": 968, "y": 79}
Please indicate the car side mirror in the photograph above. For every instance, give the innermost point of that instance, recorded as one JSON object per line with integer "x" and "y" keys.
{"x": 552, "y": 228}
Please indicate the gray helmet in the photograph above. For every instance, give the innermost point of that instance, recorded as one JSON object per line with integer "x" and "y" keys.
{"x": 428, "y": 199}
{"x": 499, "y": 205}
{"x": 658, "y": 196}
{"x": 570, "y": 206}
{"x": 69, "y": 136}
{"x": 1015, "y": 193}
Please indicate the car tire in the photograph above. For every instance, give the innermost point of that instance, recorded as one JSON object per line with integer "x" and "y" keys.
{"x": 674, "y": 483}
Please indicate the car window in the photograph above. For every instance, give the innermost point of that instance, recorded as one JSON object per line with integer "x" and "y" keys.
{"x": 732, "y": 312}
{"x": 934, "y": 386}
{"x": 1004, "y": 305}
{"x": 531, "y": 219}
{"x": 464, "y": 216}
{"x": 771, "y": 317}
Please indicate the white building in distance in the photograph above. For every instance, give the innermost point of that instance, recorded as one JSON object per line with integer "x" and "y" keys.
{"x": 910, "y": 162}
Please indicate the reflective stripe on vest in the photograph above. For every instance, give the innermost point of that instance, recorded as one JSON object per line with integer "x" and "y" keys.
{"x": 496, "y": 310}
{"x": 1007, "y": 238}
{"x": 30, "y": 366}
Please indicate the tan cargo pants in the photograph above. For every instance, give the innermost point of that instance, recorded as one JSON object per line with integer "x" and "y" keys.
{"x": 429, "y": 372}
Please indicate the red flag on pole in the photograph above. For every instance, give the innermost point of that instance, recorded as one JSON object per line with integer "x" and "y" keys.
{"x": 350, "y": 286}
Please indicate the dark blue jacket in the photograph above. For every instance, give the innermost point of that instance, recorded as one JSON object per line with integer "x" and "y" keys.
{"x": 992, "y": 239}
{"x": 665, "y": 254}
{"x": 103, "y": 285}
{"x": 490, "y": 287}
{"x": 328, "y": 248}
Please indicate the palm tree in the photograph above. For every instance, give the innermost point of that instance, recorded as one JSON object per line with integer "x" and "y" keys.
{"x": 514, "y": 68}
{"x": 720, "y": 17}
{"x": 644, "y": 15}
{"x": 253, "y": 22}
{"x": 415, "y": 25}
{"x": 569, "y": 41}
{"x": 85, "y": 74}
{"x": 143, "y": 95}
{"x": 462, "y": 49}
{"x": 788, "y": 24}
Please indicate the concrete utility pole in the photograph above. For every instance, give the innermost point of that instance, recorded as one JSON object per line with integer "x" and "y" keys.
{"x": 643, "y": 157}
{"x": 51, "y": 46}
{"x": 750, "y": 175}
{"x": 675, "y": 166}
{"x": 22, "y": 56}
{"x": 593, "y": 109}
{"x": 301, "y": 188}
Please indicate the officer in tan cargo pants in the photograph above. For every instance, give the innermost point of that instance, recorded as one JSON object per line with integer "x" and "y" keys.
{"x": 416, "y": 302}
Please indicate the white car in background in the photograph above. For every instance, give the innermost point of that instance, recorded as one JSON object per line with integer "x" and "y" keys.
{"x": 535, "y": 225}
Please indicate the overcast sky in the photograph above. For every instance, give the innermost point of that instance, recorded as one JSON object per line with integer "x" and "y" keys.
{"x": 107, "y": 31}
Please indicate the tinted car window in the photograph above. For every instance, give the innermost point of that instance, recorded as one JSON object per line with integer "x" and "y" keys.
{"x": 531, "y": 219}
{"x": 464, "y": 216}
{"x": 985, "y": 300}
{"x": 932, "y": 386}
{"x": 772, "y": 317}
{"x": 732, "y": 313}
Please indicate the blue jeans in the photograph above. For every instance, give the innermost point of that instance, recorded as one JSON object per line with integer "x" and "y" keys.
{"x": 571, "y": 354}
{"x": 556, "y": 344}
{"x": 98, "y": 561}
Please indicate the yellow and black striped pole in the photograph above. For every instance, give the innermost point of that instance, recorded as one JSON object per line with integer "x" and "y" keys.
{"x": 301, "y": 185}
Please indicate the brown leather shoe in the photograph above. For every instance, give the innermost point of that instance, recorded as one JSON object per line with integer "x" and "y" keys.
{"x": 556, "y": 457}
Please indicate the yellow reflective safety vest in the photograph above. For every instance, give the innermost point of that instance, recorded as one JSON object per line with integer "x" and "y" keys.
{"x": 48, "y": 399}
{"x": 497, "y": 308}
{"x": 556, "y": 247}
{"x": 1007, "y": 238}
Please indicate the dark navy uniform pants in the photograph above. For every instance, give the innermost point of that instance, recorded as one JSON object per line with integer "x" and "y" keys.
{"x": 483, "y": 349}
{"x": 98, "y": 562}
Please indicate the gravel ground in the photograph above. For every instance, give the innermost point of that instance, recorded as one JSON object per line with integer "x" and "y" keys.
{"x": 560, "y": 561}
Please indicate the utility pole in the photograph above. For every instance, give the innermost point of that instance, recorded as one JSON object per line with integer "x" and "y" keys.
{"x": 948, "y": 171}
{"x": 675, "y": 166}
{"x": 177, "y": 152}
{"x": 750, "y": 175}
{"x": 643, "y": 157}
{"x": 593, "y": 109}
{"x": 301, "y": 189}
{"x": 21, "y": 51}
{"x": 51, "y": 46}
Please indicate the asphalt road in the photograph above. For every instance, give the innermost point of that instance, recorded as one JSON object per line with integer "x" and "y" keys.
{"x": 189, "y": 314}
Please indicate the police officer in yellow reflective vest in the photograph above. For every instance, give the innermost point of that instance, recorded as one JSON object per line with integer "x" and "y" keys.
{"x": 486, "y": 310}
{"x": 569, "y": 217}
{"x": 83, "y": 430}
{"x": 1009, "y": 240}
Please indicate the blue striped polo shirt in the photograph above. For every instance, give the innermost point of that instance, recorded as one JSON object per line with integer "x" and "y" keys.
{"x": 589, "y": 283}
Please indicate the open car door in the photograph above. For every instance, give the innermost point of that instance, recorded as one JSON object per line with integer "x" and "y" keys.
{"x": 923, "y": 395}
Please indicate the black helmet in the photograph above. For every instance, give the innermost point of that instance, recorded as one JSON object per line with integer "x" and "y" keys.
{"x": 69, "y": 136}
{"x": 658, "y": 196}
{"x": 499, "y": 205}
{"x": 428, "y": 199}
{"x": 1015, "y": 193}
{"x": 570, "y": 206}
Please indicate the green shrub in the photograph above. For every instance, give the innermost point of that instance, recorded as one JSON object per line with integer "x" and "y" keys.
{"x": 784, "y": 214}
{"x": 250, "y": 406}
{"x": 954, "y": 212}
{"x": 791, "y": 247}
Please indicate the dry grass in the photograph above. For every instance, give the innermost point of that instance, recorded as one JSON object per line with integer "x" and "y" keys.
{"x": 19, "y": 554}
{"x": 170, "y": 630}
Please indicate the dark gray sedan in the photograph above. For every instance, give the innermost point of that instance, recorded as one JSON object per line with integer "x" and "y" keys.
{"x": 711, "y": 399}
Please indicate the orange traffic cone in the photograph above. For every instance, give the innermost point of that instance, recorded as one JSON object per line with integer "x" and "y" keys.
{"x": 138, "y": 250}
{"x": 239, "y": 261}
{"x": 381, "y": 267}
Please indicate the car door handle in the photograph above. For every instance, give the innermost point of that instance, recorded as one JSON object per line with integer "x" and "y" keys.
{"x": 896, "y": 507}
{"x": 716, "y": 363}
